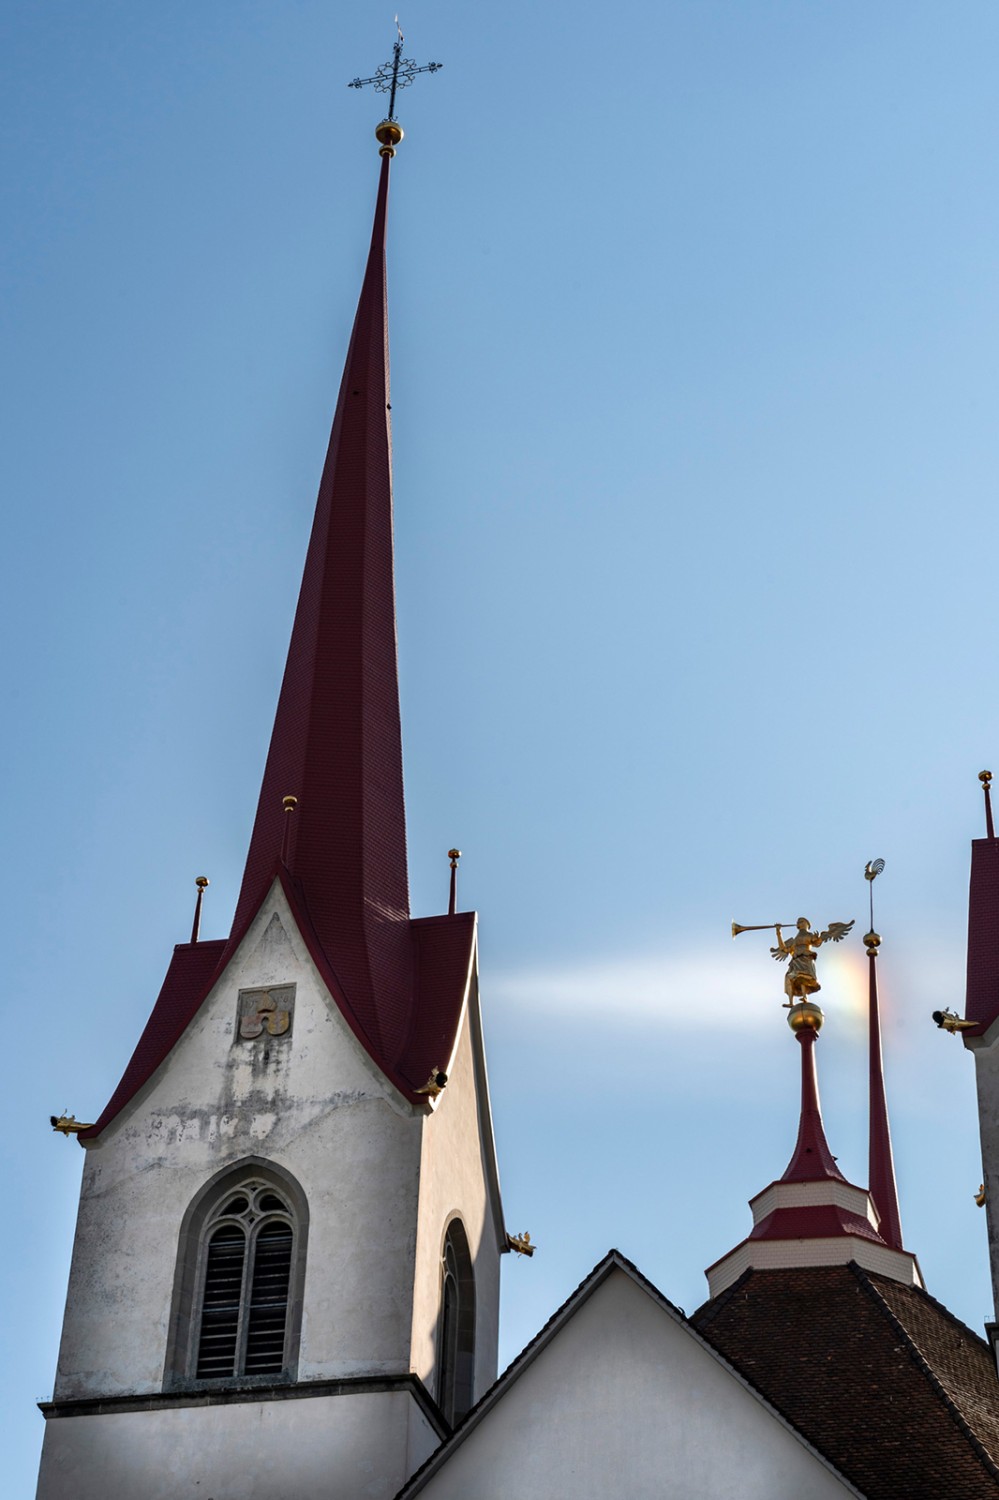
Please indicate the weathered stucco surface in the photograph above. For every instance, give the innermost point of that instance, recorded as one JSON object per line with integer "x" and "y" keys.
{"x": 455, "y": 1181}
{"x": 358, "y": 1447}
{"x": 986, "y": 1050}
{"x": 625, "y": 1400}
{"x": 313, "y": 1103}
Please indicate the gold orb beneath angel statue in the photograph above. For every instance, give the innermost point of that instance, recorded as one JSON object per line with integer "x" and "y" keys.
{"x": 388, "y": 133}
{"x": 805, "y": 1013}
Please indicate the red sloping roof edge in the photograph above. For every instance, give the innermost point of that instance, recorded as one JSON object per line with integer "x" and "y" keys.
{"x": 189, "y": 977}
{"x": 443, "y": 947}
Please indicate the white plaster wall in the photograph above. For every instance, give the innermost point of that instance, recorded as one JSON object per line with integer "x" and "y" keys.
{"x": 315, "y": 1105}
{"x": 349, "y": 1447}
{"x": 454, "y": 1180}
{"x": 987, "y": 1075}
{"x": 626, "y": 1401}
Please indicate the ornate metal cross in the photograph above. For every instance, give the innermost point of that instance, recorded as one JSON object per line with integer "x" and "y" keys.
{"x": 395, "y": 75}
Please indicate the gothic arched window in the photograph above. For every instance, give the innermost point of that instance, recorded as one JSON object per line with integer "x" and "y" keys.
{"x": 237, "y": 1304}
{"x": 456, "y": 1331}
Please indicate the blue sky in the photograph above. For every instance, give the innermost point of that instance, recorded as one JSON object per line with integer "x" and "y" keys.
{"x": 693, "y": 313}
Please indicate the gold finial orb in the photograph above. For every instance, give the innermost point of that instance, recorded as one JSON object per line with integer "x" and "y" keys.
{"x": 985, "y": 777}
{"x": 202, "y": 882}
{"x": 805, "y": 1014}
{"x": 454, "y": 854}
{"x": 388, "y": 133}
{"x": 289, "y": 803}
{"x": 872, "y": 941}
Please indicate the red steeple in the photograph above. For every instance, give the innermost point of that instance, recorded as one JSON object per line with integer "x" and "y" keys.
{"x": 330, "y": 823}
{"x": 881, "y": 1164}
{"x": 337, "y": 743}
{"x": 812, "y": 1158}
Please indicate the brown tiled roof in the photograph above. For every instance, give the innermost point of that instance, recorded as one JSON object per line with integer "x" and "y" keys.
{"x": 877, "y": 1375}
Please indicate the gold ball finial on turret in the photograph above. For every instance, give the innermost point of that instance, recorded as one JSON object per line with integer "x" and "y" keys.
{"x": 388, "y": 133}
{"x": 805, "y": 1013}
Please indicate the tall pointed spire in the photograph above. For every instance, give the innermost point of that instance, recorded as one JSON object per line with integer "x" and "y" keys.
{"x": 336, "y": 743}
{"x": 881, "y": 1163}
{"x": 330, "y": 826}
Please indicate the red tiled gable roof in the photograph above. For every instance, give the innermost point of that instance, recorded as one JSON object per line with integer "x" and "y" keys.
{"x": 337, "y": 747}
{"x": 982, "y": 1002}
{"x": 877, "y": 1375}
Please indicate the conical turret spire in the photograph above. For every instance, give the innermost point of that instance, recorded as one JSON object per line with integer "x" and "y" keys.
{"x": 812, "y": 1158}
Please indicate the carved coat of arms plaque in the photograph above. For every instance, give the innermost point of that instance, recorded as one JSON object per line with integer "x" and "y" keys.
{"x": 266, "y": 1010}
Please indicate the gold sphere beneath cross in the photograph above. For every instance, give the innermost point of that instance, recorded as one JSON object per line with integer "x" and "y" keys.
{"x": 388, "y": 133}
{"x": 805, "y": 1013}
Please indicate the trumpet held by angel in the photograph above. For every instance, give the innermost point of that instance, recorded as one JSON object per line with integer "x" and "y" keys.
{"x": 800, "y": 981}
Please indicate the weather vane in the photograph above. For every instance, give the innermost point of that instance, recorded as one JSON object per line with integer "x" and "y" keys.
{"x": 872, "y": 870}
{"x": 395, "y": 75}
{"x": 800, "y": 980}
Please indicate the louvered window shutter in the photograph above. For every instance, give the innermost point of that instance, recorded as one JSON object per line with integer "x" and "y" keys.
{"x": 221, "y": 1302}
{"x": 268, "y": 1311}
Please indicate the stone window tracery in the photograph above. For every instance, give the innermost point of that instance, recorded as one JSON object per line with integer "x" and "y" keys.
{"x": 237, "y": 1302}
{"x": 244, "y": 1293}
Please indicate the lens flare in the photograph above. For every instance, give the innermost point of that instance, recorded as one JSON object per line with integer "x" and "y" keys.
{"x": 844, "y": 988}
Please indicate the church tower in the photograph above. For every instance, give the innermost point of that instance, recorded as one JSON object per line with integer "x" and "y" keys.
{"x": 285, "y": 1278}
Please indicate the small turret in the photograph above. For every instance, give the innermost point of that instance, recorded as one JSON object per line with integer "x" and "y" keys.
{"x": 812, "y": 1216}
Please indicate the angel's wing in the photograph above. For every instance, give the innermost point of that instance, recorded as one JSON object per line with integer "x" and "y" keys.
{"x": 780, "y": 954}
{"x": 836, "y": 931}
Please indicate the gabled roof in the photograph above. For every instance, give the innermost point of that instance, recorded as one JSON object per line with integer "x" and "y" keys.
{"x": 444, "y": 952}
{"x": 881, "y": 1378}
{"x": 612, "y": 1261}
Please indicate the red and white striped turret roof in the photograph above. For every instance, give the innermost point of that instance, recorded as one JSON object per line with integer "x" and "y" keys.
{"x": 811, "y": 1216}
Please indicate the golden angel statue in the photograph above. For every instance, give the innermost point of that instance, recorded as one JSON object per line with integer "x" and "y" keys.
{"x": 800, "y": 980}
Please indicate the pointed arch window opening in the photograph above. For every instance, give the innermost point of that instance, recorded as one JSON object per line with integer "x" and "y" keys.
{"x": 245, "y": 1286}
{"x": 456, "y": 1329}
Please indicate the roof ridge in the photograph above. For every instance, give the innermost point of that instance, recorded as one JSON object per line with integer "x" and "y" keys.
{"x": 951, "y": 1317}
{"x": 922, "y": 1363}
{"x": 615, "y": 1258}
{"x": 611, "y": 1257}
